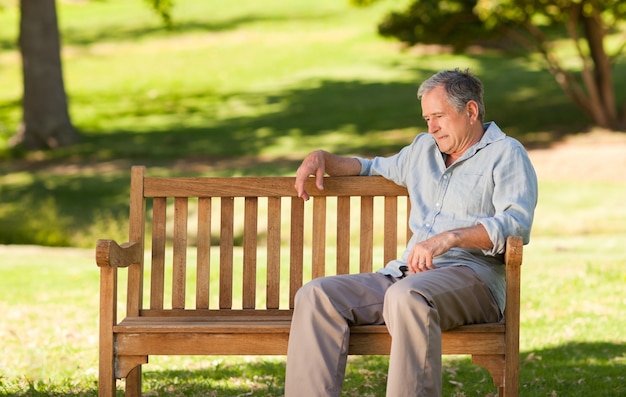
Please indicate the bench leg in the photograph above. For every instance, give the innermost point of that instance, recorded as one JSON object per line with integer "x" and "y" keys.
{"x": 133, "y": 382}
{"x": 106, "y": 357}
{"x": 511, "y": 377}
{"x": 495, "y": 365}
{"x": 129, "y": 368}
{"x": 106, "y": 381}
{"x": 505, "y": 375}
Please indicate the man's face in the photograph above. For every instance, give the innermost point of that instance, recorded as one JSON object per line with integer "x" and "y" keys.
{"x": 452, "y": 130}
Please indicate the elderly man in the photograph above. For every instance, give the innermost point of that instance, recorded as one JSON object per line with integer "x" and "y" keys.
{"x": 470, "y": 187}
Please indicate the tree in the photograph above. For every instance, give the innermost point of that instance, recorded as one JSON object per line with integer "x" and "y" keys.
{"x": 45, "y": 122}
{"x": 539, "y": 25}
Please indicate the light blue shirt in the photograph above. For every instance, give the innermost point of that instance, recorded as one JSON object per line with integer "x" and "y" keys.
{"x": 493, "y": 183}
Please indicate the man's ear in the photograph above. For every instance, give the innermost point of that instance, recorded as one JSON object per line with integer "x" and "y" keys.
{"x": 472, "y": 110}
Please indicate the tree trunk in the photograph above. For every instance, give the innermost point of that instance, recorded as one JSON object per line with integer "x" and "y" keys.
{"x": 46, "y": 122}
{"x": 603, "y": 75}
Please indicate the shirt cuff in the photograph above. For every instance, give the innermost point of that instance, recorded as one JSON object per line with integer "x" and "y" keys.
{"x": 366, "y": 165}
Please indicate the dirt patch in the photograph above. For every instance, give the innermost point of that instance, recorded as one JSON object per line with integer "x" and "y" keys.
{"x": 595, "y": 156}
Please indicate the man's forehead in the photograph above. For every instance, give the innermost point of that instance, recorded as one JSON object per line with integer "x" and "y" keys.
{"x": 434, "y": 106}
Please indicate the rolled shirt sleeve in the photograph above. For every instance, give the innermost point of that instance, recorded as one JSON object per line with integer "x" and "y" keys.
{"x": 514, "y": 200}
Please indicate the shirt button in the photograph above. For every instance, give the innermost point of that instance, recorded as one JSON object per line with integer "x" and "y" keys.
{"x": 437, "y": 205}
{"x": 427, "y": 225}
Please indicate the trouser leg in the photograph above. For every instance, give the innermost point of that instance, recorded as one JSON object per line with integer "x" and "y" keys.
{"x": 324, "y": 310}
{"x": 416, "y": 310}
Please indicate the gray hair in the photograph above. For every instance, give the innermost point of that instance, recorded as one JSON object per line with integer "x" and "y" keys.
{"x": 461, "y": 87}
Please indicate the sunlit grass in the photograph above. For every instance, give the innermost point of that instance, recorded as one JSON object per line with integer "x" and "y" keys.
{"x": 588, "y": 205}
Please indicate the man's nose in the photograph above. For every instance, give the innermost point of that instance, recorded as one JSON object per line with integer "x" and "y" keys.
{"x": 433, "y": 126}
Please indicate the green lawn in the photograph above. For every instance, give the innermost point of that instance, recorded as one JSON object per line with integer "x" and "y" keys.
{"x": 249, "y": 90}
{"x": 572, "y": 340}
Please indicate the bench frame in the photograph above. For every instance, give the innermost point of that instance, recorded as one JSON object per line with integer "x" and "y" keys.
{"x": 156, "y": 329}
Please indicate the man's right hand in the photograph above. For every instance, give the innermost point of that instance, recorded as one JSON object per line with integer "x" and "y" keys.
{"x": 313, "y": 164}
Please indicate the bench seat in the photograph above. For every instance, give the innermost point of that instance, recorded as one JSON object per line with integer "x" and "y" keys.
{"x": 462, "y": 340}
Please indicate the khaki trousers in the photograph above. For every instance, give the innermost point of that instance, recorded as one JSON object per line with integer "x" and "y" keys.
{"x": 415, "y": 309}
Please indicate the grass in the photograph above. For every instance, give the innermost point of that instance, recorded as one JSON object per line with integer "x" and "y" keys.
{"x": 248, "y": 90}
{"x": 571, "y": 342}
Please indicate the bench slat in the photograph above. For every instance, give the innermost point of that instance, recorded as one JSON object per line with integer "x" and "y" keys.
{"x": 270, "y": 337}
{"x": 266, "y": 187}
{"x": 179, "y": 274}
{"x": 391, "y": 229}
{"x": 343, "y": 235}
{"x": 239, "y": 318}
{"x": 226, "y": 252}
{"x": 203, "y": 266}
{"x": 181, "y": 343}
{"x": 136, "y": 229}
{"x": 366, "y": 234}
{"x": 250, "y": 252}
{"x": 157, "y": 276}
{"x": 409, "y": 233}
{"x": 239, "y": 323}
{"x": 274, "y": 205}
{"x": 319, "y": 237}
{"x": 296, "y": 257}
{"x": 212, "y": 314}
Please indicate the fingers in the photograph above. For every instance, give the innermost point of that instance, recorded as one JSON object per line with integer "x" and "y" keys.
{"x": 299, "y": 185}
{"x": 319, "y": 178}
{"x": 303, "y": 194}
{"x": 421, "y": 265}
{"x": 313, "y": 164}
{"x": 424, "y": 265}
{"x": 420, "y": 259}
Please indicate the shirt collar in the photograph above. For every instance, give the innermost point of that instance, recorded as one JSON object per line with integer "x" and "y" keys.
{"x": 492, "y": 134}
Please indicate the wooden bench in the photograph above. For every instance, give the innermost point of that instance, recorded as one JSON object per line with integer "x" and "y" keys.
{"x": 224, "y": 258}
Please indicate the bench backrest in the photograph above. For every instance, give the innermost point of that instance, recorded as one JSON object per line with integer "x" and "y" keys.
{"x": 222, "y": 245}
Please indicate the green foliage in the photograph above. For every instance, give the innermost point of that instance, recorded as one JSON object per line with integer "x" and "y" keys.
{"x": 463, "y": 22}
{"x": 551, "y": 12}
{"x": 164, "y": 9}
{"x": 451, "y": 22}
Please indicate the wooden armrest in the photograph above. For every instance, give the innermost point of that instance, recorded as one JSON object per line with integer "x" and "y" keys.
{"x": 513, "y": 261}
{"x": 111, "y": 254}
{"x": 513, "y": 252}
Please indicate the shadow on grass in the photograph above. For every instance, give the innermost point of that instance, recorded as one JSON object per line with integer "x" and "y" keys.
{"x": 82, "y": 37}
{"x": 525, "y": 102}
{"x": 120, "y": 32}
{"x": 575, "y": 369}
{"x": 195, "y": 138}
{"x": 66, "y": 210}
{"x": 307, "y": 116}
{"x": 346, "y": 117}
